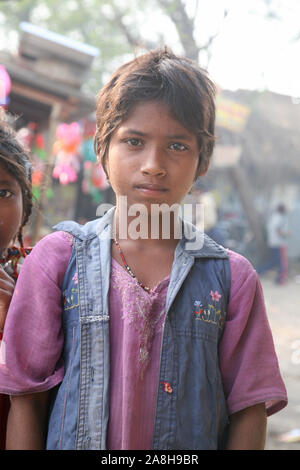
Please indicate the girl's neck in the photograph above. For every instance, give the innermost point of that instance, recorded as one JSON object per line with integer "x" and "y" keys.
{"x": 159, "y": 229}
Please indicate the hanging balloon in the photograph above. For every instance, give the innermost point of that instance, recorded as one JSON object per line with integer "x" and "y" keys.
{"x": 5, "y": 86}
{"x": 40, "y": 141}
{"x": 69, "y": 134}
{"x": 65, "y": 173}
{"x": 37, "y": 177}
{"x": 87, "y": 150}
{"x": 66, "y": 150}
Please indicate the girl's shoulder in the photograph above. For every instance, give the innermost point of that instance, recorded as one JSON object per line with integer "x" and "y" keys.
{"x": 51, "y": 255}
{"x": 245, "y": 283}
{"x": 240, "y": 266}
{"x": 57, "y": 241}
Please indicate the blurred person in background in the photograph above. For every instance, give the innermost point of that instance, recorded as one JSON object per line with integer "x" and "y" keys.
{"x": 277, "y": 237}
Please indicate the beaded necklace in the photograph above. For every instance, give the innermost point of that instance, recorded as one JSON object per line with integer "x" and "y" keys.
{"x": 129, "y": 270}
{"x": 13, "y": 260}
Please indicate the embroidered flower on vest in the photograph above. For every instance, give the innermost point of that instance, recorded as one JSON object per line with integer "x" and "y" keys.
{"x": 215, "y": 295}
{"x": 212, "y": 312}
{"x": 70, "y": 299}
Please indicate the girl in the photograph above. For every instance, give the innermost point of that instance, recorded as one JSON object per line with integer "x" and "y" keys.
{"x": 15, "y": 209}
{"x": 150, "y": 341}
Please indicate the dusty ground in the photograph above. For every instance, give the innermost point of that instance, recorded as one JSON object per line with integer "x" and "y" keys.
{"x": 283, "y": 307}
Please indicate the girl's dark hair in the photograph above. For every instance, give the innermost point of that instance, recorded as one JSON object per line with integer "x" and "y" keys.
{"x": 161, "y": 76}
{"x": 14, "y": 159}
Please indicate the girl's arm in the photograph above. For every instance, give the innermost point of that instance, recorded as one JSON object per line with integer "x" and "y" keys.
{"x": 27, "y": 422}
{"x": 247, "y": 429}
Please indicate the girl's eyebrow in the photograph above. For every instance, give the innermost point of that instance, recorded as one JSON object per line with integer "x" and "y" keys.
{"x": 180, "y": 136}
{"x": 171, "y": 136}
{"x": 7, "y": 182}
{"x": 134, "y": 131}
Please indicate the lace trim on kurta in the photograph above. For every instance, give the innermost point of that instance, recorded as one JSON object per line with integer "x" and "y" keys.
{"x": 138, "y": 308}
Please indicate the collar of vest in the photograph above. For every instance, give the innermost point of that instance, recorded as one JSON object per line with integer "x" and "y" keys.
{"x": 206, "y": 248}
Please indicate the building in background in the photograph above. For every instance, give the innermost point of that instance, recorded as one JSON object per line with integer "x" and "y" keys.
{"x": 55, "y": 120}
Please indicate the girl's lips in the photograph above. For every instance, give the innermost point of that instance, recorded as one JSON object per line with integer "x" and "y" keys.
{"x": 151, "y": 191}
{"x": 151, "y": 187}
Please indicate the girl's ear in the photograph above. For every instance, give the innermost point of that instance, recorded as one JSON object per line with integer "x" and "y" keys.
{"x": 105, "y": 170}
{"x": 202, "y": 172}
{"x": 202, "y": 166}
{"x": 102, "y": 158}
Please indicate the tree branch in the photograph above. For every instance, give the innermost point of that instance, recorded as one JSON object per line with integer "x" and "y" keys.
{"x": 183, "y": 24}
{"x": 211, "y": 39}
{"x": 133, "y": 40}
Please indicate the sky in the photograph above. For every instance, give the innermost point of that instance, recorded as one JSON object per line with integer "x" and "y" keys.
{"x": 250, "y": 51}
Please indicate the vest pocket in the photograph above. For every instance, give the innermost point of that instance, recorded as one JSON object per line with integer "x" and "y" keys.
{"x": 202, "y": 319}
{"x": 198, "y": 390}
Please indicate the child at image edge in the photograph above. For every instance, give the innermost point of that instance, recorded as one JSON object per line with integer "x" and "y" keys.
{"x": 15, "y": 210}
{"x": 114, "y": 342}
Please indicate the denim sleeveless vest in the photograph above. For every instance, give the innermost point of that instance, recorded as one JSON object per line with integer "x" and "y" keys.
{"x": 191, "y": 409}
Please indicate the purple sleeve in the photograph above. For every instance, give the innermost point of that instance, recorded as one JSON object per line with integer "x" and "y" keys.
{"x": 248, "y": 360}
{"x": 33, "y": 338}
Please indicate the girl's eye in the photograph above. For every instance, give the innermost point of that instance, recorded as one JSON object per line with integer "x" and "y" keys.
{"x": 134, "y": 142}
{"x": 5, "y": 193}
{"x": 178, "y": 146}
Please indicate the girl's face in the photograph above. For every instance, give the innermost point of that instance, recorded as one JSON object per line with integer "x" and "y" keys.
{"x": 152, "y": 158}
{"x": 11, "y": 208}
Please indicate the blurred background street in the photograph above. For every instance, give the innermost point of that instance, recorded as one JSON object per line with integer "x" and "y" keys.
{"x": 283, "y": 307}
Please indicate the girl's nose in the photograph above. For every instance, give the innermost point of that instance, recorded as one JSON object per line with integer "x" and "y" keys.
{"x": 153, "y": 163}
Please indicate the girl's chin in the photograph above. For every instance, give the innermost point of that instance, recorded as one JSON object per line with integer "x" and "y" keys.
{"x": 146, "y": 198}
